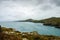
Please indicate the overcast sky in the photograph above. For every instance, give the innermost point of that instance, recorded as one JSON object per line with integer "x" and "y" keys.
{"x": 25, "y": 9}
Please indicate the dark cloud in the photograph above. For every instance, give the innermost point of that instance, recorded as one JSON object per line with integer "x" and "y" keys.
{"x": 46, "y": 7}
{"x": 57, "y": 2}
{"x": 39, "y": 2}
{"x": 27, "y": 2}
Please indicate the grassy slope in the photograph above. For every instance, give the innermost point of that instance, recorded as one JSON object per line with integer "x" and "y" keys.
{"x": 52, "y": 22}
{"x": 49, "y": 21}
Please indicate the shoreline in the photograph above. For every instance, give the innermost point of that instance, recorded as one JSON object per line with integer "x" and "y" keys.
{"x": 17, "y": 35}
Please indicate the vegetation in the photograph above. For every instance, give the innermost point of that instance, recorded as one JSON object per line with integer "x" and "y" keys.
{"x": 51, "y": 22}
{"x": 11, "y": 34}
{"x": 54, "y": 21}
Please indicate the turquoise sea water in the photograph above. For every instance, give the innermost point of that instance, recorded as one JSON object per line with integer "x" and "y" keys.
{"x": 29, "y": 26}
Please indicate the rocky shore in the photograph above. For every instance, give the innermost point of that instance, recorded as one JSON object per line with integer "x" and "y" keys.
{"x": 12, "y": 34}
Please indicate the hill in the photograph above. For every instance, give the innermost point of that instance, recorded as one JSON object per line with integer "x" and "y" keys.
{"x": 53, "y": 21}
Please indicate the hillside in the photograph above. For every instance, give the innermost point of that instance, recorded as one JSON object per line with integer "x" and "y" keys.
{"x": 54, "y": 21}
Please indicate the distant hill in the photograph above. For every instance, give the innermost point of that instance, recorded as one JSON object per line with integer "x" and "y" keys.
{"x": 53, "y": 21}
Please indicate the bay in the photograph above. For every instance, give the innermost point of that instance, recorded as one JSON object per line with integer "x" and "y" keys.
{"x": 29, "y": 27}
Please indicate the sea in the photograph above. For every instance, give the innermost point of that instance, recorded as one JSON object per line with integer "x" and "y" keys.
{"x": 30, "y": 27}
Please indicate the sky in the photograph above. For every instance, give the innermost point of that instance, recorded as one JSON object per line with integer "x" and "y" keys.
{"x": 28, "y": 9}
